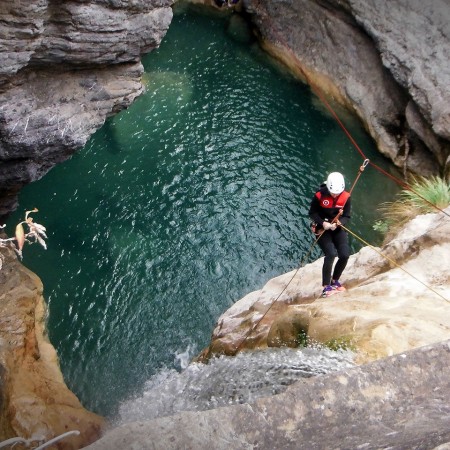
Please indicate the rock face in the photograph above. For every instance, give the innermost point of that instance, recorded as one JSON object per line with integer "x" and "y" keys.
{"x": 388, "y": 61}
{"x": 396, "y": 403}
{"x": 64, "y": 68}
{"x": 393, "y": 303}
{"x": 35, "y": 402}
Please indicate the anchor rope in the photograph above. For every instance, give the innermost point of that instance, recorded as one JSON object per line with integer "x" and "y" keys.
{"x": 321, "y": 96}
{"x": 400, "y": 182}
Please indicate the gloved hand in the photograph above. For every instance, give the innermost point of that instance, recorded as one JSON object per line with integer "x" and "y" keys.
{"x": 329, "y": 226}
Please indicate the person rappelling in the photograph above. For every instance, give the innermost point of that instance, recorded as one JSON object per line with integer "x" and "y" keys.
{"x": 329, "y": 209}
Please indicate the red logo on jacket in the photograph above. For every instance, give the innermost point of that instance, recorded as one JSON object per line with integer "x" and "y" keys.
{"x": 327, "y": 201}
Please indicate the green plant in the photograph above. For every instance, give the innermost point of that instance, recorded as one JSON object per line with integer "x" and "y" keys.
{"x": 425, "y": 194}
{"x": 302, "y": 339}
{"x": 341, "y": 343}
{"x": 335, "y": 344}
{"x": 381, "y": 226}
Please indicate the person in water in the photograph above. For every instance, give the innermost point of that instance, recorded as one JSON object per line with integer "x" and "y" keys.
{"x": 330, "y": 208}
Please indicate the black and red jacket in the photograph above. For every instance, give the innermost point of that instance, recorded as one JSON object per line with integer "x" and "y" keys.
{"x": 325, "y": 207}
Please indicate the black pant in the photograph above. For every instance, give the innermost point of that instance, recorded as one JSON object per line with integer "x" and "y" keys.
{"x": 334, "y": 243}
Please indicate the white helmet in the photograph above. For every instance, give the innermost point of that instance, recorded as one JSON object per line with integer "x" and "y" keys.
{"x": 335, "y": 183}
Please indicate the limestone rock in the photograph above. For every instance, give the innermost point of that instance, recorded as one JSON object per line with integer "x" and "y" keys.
{"x": 414, "y": 43}
{"x": 36, "y": 403}
{"x": 86, "y": 34}
{"x": 393, "y": 303}
{"x": 46, "y": 116}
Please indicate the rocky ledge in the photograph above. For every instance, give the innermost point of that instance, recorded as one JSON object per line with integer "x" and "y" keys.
{"x": 35, "y": 402}
{"x": 397, "y": 299}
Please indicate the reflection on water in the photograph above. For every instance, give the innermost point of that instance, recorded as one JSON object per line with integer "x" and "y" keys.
{"x": 182, "y": 204}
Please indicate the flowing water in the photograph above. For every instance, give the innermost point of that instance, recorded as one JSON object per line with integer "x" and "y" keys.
{"x": 182, "y": 204}
{"x": 230, "y": 380}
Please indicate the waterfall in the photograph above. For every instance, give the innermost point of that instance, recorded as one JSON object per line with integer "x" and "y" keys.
{"x": 230, "y": 380}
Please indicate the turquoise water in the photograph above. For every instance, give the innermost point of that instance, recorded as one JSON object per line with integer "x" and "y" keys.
{"x": 182, "y": 204}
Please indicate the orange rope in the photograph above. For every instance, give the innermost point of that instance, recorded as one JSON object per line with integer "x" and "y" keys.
{"x": 319, "y": 94}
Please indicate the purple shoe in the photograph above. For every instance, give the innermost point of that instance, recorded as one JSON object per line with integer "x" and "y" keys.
{"x": 327, "y": 291}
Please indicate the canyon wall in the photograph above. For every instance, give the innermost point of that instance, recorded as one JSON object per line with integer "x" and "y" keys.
{"x": 35, "y": 403}
{"x": 65, "y": 66}
{"x": 386, "y": 61}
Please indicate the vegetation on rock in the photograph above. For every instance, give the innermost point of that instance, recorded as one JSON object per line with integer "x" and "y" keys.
{"x": 424, "y": 196}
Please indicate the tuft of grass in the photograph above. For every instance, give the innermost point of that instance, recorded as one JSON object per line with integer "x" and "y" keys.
{"x": 335, "y": 344}
{"x": 424, "y": 193}
{"x": 302, "y": 339}
{"x": 341, "y": 343}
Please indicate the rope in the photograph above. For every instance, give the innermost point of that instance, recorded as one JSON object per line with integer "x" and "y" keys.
{"x": 319, "y": 94}
{"x": 393, "y": 262}
{"x": 27, "y": 442}
{"x": 360, "y": 171}
{"x": 58, "y": 438}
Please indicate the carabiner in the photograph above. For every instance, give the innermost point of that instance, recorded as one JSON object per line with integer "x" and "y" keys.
{"x": 364, "y": 165}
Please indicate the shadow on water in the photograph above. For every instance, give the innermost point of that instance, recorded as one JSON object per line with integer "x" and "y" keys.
{"x": 112, "y": 137}
{"x": 192, "y": 197}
